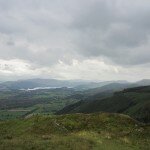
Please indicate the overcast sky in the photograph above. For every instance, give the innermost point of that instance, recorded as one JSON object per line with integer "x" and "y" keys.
{"x": 75, "y": 39}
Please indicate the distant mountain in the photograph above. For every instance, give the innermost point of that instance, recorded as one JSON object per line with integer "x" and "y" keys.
{"x": 100, "y": 92}
{"x": 143, "y": 82}
{"x": 40, "y": 83}
{"x": 79, "y": 85}
{"x": 34, "y": 83}
{"x": 132, "y": 101}
{"x": 93, "y": 85}
{"x": 111, "y": 87}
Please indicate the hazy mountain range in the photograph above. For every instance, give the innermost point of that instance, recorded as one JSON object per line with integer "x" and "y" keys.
{"x": 52, "y": 83}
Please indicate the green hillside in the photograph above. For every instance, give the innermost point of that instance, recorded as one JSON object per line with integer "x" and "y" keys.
{"x": 75, "y": 132}
{"x": 134, "y": 102}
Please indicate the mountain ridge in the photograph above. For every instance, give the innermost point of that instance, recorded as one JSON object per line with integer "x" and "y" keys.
{"x": 79, "y": 85}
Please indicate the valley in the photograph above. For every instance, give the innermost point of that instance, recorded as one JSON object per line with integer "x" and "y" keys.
{"x": 112, "y": 116}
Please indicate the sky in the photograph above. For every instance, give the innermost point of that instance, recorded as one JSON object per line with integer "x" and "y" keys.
{"x": 75, "y": 39}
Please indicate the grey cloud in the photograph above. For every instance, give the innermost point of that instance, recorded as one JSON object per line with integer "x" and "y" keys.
{"x": 44, "y": 32}
{"x": 105, "y": 29}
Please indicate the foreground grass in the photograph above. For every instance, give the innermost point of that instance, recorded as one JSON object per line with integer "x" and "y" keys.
{"x": 75, "y": 132}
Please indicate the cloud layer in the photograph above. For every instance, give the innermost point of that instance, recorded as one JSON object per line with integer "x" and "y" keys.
{"x": 72, "y": 39}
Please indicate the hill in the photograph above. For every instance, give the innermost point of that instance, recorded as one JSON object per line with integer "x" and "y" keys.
{"x": 133, "y": 101}
{"x": 76, "y": 131}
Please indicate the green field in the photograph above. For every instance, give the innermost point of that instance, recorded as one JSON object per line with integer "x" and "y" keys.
{"x": 8, "y": 114}
{"x": 49, "y": 108}
{"x": 20, "y": 104}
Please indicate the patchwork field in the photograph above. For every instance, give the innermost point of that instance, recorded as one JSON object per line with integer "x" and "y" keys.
{"x": 20, "y": 104}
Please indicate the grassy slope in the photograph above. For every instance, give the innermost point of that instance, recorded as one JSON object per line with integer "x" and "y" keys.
{"x": 73, "y": 132}
{"x": 134, "y": 102}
